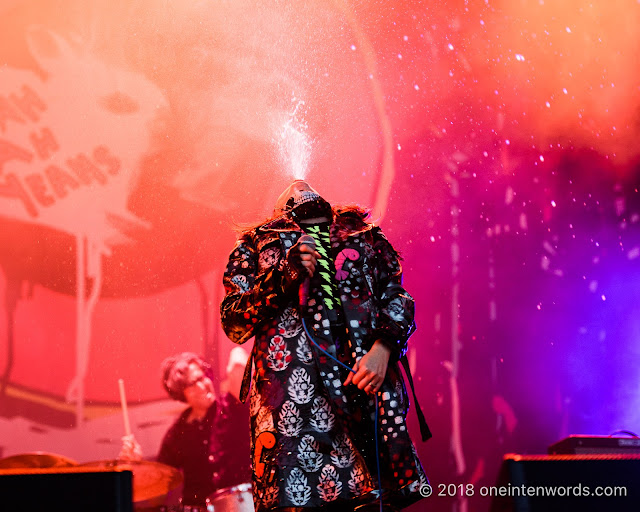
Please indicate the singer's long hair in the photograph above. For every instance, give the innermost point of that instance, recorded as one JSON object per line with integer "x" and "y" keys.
{"x": 349, "y": 210}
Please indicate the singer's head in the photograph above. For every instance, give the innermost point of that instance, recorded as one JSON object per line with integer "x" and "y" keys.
{"x": 302, "y": 202}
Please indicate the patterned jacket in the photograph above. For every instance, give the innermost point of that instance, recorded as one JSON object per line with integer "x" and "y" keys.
{"x": 313, "y": 440}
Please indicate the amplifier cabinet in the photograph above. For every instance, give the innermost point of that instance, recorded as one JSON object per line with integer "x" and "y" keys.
{"x": 549, "y": 483}
{"x": 68, "y": 489}
{"x": 582, "y": 445}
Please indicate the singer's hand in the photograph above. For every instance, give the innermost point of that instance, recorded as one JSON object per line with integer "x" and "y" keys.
{"x": 308, "y": 258}
{"x": 301, "y": 263}
{"x": 370, "y": 369}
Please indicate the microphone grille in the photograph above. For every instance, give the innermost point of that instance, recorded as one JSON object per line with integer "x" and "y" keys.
{"x": 307, "y": 239}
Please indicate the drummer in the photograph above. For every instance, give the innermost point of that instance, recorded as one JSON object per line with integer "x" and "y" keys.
{"x": 209, "y": 440}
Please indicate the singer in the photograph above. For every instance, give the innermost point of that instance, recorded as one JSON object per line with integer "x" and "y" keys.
{"x": 319, "y": 287}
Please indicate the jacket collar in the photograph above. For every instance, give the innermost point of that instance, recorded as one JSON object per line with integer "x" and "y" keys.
{"x": 282, "y": 223}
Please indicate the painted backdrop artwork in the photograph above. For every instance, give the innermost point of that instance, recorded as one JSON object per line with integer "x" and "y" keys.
{"x": 131, "y": 144}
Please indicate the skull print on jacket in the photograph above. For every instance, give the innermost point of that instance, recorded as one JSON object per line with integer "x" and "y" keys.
{"x": 313, "y": 439}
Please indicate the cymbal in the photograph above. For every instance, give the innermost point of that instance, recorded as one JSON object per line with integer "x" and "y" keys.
{"x": 150, "y": 479}
{"x": 36, "y": 460}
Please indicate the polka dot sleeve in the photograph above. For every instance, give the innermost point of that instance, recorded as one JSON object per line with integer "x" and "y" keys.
{"x": 251, "y": 298}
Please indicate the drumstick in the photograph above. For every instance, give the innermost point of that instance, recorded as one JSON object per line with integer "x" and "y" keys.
{"x": 125, "y": 413}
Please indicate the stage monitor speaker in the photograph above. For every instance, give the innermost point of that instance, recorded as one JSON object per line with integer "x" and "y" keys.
{"x": 68, "y": 489}
{"x": 550, "y": 483}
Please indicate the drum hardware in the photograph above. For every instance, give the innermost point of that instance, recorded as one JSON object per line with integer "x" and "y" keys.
{"x": 152, "y": 481}
{"x": 232, "y": 499}
{"x": 36, "y": 460}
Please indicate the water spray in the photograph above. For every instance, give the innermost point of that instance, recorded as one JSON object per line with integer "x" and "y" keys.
{"x": 294, "y": 144}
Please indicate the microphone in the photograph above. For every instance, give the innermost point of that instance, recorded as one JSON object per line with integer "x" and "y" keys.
{"x": 308, "y": 240}
{"x": 304, "y": 287}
